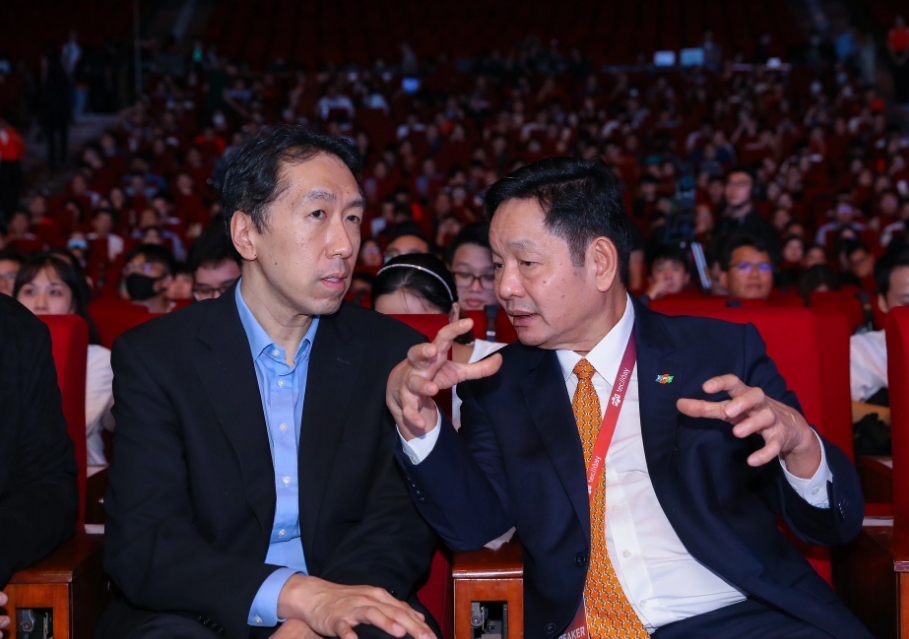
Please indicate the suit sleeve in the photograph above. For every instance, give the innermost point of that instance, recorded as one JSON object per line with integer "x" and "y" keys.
{"x": 38, "y": 508}
{"x": 152, "y": 549}
{"x": 833, "y": 526}
{"x": 392, "y": 546}
{"x": 461, "y": 487}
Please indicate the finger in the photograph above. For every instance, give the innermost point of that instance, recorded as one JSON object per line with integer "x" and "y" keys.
{"x": 414, "y": 419}
{"x": 729, "y": 383}
{"x": 477, "y": 370}
{"x": 376, "y": 617}
{"x": 767, "y": 454}
{"x": 421, "y": 356}
{"x": 4, "y": 622}
{"x": 448, "y": 333}
{"x": 3, "y": 598}
{"x": 421, "y": 386}
{"x": 405, "y": 617}
{"x": 760, "y": 421}
{"x": 747, "y": 401}
{"x": 344, "y": 631}
{"x": 702, "y": 408}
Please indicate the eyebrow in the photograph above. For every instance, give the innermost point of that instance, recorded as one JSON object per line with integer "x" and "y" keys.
{"x": 521, "y": 245}
{"x": 328, "y": 196}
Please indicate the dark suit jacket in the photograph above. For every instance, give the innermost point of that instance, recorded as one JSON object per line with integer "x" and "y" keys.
{"x": 191, "y": 502}
{"x": 38, "y": 493}
{"x": 518, "y": 461}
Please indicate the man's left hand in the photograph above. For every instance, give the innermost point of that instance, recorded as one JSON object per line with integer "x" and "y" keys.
{"x": 786, "y": 433}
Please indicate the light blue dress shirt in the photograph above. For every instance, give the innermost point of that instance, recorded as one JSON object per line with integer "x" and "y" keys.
{"x": 282, "y": 388}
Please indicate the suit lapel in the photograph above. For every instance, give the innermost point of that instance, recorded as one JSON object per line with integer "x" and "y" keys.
{"x": 331, "y": 388}
{"x": 659, "y": 415}
{"x": 550, "y": 410}
{"x": 226, "y": 368}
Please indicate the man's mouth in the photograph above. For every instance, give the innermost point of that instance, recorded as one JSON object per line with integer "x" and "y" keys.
{"x": 522, "y": 318}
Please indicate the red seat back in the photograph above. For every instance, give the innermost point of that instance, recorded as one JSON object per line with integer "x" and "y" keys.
{"x": 69, "y": 343}
{"x": 843, "y": 301}
{"x": 704, "y": 305}
{"x": 505, "y": 331}
{"x": 116, "y": 318}
{"x": 898, "y": 382}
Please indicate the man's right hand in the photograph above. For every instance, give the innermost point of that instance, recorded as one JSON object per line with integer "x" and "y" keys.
{"x": 427, "y": 370}
{"x": 333, "y": 610}
{"x": 4, "y": 620}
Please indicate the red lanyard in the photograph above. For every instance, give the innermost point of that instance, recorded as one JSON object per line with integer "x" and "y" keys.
{"x": 611, "y": 418}
{"x": 578, "y": 627}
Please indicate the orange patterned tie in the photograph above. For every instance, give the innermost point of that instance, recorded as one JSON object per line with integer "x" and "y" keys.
{"x": 608, "y": 612}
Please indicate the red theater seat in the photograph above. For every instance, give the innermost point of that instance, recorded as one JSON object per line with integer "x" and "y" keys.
{"x": 505, "y": 331}
{"x": 116, "y": 317}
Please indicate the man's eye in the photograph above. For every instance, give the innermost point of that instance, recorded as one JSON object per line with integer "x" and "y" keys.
{"x": 525, "y": 263}
{"x": 354, "y": 218}
{"x": 318, "y": 214}
{"x": 498, "y": 266}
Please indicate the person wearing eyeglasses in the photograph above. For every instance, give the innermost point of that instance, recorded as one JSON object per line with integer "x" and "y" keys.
{"x": 214, "y": 264}
{"x": 470, "y": 261}
{"x": 747, "y": 268}
{"x": 10, "y": 263}
{"x": 740, "y": 215}
{"x": 148, "y": 273}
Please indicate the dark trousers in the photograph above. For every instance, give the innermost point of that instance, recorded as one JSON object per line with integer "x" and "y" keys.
{"x": 749, "y": 619}
{"x": 57, "y": 144}
{"x": 122, "y": 621}
{"x": 10, "y": 187}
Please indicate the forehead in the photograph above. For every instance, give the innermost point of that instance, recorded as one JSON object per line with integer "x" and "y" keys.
{"x": 323, "y": 172}
{"x": 409, "y": 242}
{"x": 899, "y": 280}
{"x": 472, "y": 253}
{"x": 518, "y": 224}
{"x": 749, "y": 253}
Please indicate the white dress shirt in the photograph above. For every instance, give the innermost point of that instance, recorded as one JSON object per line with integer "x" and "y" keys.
{"x": 99, "y": 398}
{"x": 661, "y": 580}
{"x": 867, "y": 364}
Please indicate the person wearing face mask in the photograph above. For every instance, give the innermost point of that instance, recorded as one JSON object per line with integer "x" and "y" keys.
{"x": 148, "y": 273}
{"x": 47, "y": 285}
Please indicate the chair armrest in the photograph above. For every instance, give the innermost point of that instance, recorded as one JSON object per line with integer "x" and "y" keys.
{"x": 505, "y": 563}
{"x": 72, "y": 559}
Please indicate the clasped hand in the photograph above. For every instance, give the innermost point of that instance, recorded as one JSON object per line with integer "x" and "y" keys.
{"x": 784, "y": 429}
{"x": 426, "y": 371}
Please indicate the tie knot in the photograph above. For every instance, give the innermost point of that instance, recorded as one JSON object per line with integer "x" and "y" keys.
{"x": 584, "y": 370}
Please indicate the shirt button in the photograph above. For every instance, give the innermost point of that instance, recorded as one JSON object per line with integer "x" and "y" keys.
{"x": 281, "y": 533}
{"x": 626, "y": 554}
{"x": 414, "y": 460}
{"x": 276, "y": 352}
{"x": 815, "y": 491}
{"x": 283, "y": 427}
{"x": 258, "y": 619}
{"x": 616, "y": 509}
{"x": 286, "y": 480}
{"x": 281, "y": 383}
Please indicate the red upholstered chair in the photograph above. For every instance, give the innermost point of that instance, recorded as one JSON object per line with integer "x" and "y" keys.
{"x": 70, "y": 581}
{"x": 437, "y": 593}
{"x": 844, "y": 301}
{"x": 685, "y": 305}
{"x": 115, "y": 318}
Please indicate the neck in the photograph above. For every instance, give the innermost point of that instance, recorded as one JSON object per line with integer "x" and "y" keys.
{"x": 603, "y": 322}
{"x": 740, "y": 211}
{"x": 277, "y": 317}
{"x": 157, "y": 304}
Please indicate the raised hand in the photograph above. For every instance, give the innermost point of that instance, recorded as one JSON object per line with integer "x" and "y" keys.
{"x": 427, "y": 370}
{"x": 784, "y": 429}
{"x": 334, "y": 610}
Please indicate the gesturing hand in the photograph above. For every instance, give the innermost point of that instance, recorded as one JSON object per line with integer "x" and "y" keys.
{"x": 333, "y": 610}
{"x": 785, "y": 431}
{"x": 295, "y": 629}
{"x": 4, "y": 620}
{"x": 427, "y": 370}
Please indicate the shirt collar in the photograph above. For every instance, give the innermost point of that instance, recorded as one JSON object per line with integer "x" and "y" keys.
{"x": 259, "y": 340}
{"x": 606, "y": 356}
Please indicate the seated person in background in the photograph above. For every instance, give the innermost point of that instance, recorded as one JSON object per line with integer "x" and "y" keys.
{"x": 151, "y": 217}
{"x": 897, "y": 228}
{"x": 843, "y": 218}
{"x": 361, "y": 287}
{"x": 152, "y": 235}
{"x": 818, "y": 278}
{"x": 814, "y": 256}
{"x": 406, "y": 239}
{"x": 747, "y": 268}
{"x": 420, "y": 283}
{"x": 103, "y": 223}
{"x": 181, "y": 288}
{"x": 868, "y": 351}
{"x": 856, "y": 262}
{"x": 668, "y": 274}
{"x": 792, "y": 253}
{"x": 148, "y": 273}
{"x": 470, "y": 262}
{"x": 39, "y": 498}
{"x": 254, "y": 479}
{"x": 47, "y": 285}
{"x": 10, "y": 263}
{"x": 18, "y": 227}
{"x": 740, "y": 216}
{"x": 370, "y": 259}
{"x": 213, "y": 263}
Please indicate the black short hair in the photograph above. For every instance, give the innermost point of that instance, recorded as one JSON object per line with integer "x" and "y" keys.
{"x": 580, "y": 199}
{"x": 154, "y": 254}
{"x": 669, "y": 253}
{"x": 253, "y": 177}
{"x": 737, "y": 241}
{"x": 9, "y": 255}
{"x": 212, "y": 247}
{"x": 409, "y": 272}
{"x": 106, "y": 211}
{"x": 404, "y": 229}
{"x": 814, "y": 277}
{"x": 890, "y": 260}
{"x": 476, "y": 233}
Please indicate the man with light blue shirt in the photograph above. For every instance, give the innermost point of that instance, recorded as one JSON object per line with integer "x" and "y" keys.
{"x": 254, "y": 492}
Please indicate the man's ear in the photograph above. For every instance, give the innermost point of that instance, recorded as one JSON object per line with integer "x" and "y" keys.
{"x": 605, "y": 262}
{"x": 724, "y": 280}
{"x": 243, "y": 234}
{"x": 882, "y": 304}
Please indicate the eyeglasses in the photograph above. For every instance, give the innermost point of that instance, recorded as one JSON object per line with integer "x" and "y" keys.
{"x": 204, "y": 292}
{"x": 748, "y": 267}
{"x": 8, "y": 277}
{"x": 464, "y": 279}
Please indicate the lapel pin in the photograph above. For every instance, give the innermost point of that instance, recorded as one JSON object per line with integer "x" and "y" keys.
{"x": 664, "y": 379}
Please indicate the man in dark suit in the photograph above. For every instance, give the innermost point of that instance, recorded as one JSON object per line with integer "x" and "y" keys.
{"x": 673, "y": 532}
{"x": 38, "y": 493}
{"x": 253, "y": 478}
